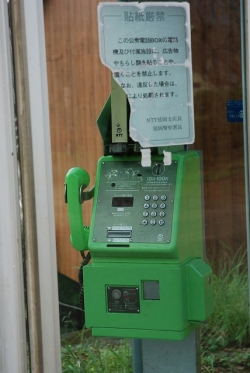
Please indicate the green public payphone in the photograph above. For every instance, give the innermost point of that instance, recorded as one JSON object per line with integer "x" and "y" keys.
{"x": 147, "y": 278}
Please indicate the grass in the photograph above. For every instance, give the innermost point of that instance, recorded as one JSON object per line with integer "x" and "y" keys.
{"x": 97, "y": 357}
{"x": 225, "y": 341}
{"x": 230, "y": 320}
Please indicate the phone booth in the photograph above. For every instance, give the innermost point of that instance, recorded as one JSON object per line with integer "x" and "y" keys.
{"x": 147, "y": 278}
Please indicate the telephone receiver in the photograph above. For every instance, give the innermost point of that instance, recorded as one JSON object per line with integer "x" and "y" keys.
{"x": 76, "y": 181}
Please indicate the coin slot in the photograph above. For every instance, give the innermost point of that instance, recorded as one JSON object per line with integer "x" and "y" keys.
{"x": 116, "y": 245}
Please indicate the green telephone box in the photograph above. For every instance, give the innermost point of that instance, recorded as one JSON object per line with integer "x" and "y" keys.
{"x": 147, "y": 278}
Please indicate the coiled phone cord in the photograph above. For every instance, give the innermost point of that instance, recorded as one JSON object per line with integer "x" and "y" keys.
{"x": 86, "y": 259}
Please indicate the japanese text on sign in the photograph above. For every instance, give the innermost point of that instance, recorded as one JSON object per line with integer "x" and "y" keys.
{"x": 147, "y": 47}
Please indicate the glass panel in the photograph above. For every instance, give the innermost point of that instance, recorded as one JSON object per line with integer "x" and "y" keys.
{"x": 216, "y": 54}
{"x": 78, "y": 88}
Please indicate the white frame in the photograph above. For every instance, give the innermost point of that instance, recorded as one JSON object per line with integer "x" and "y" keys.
{"x": 13, "y": 349}
{"x": 36, "y": 91}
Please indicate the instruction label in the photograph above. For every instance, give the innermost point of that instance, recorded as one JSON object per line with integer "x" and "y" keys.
{"x": 235, "y": 111}
{"x": 148, "y": 49}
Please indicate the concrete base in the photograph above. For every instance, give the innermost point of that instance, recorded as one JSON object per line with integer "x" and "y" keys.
{"x": 159, "y": 356}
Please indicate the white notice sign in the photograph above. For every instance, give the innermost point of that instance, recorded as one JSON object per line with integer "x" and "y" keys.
{"x": 147, "y": 46}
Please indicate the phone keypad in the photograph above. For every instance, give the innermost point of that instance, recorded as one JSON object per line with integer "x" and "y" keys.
{"x": 154, "y": 209}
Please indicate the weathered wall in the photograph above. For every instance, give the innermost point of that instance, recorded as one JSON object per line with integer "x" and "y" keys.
{"x": 79, "y": 86}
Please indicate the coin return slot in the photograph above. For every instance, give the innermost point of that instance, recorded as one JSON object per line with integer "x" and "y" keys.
{"x": 151, "y": 290}
{"x": 119, "y": 234}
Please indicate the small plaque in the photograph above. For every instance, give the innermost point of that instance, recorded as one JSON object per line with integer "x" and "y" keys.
{"x": 148, "y": 48}
{"x": 123, "y": 299}
{"x": 235, "y": 111}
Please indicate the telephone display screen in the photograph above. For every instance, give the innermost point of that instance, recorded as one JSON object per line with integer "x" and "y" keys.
{"x": 122, "y": 201}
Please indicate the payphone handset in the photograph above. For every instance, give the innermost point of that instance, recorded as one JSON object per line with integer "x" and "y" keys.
{"x": 76, "y": 181}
